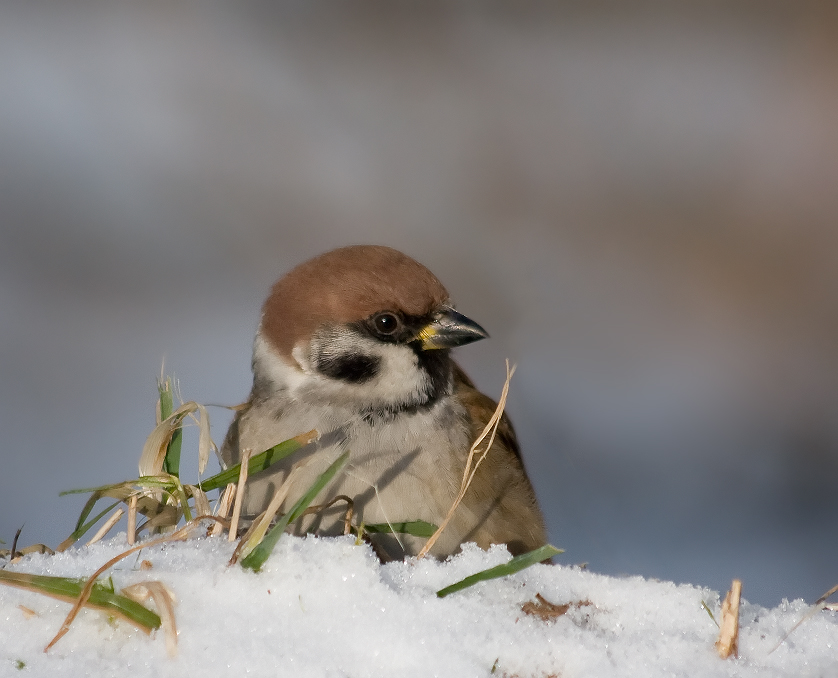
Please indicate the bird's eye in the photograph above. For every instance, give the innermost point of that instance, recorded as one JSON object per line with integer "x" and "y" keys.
{"x": 386, "y": 323}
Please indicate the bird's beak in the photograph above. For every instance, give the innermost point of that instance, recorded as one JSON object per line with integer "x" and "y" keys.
{"x": 449, "y": 329}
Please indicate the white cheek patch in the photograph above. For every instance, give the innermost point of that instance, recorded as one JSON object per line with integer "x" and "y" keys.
{"x": 399, "y": 377}
{"x": 268, "y": 363}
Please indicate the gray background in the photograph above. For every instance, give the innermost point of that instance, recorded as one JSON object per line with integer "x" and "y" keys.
{"x": 637, "y": 200}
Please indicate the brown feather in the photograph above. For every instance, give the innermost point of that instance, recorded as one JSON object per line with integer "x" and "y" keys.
{"x": 347, "y": 285}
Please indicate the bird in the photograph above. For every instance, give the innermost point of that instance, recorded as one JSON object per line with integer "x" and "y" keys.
{"x": 356, "y": 343}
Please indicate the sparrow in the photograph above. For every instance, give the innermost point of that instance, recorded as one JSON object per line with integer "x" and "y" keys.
{"x": 356, "y": 343}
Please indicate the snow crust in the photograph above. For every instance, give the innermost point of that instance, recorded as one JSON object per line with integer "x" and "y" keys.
{"x": 326, "y": 607}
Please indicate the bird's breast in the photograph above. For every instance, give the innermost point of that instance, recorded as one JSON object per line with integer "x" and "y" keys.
{"x": 406, "y": 468}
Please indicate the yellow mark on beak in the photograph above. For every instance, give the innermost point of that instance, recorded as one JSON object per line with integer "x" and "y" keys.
{"x": 448, "y": 330}
{"x": 426, "y": 336}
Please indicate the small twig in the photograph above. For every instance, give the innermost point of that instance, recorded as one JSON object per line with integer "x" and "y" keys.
{"x": 131, "y": 530}
{"x": 469, "y": 471}
{"x": 347, "y": 516}
{"x": 820, "y": 604}
{"x": 237, "y": 506}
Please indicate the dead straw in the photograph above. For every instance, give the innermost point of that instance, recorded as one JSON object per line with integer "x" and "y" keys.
{"x": 469, "y": 471}
{"x": 728, "y": 642}
{"x": 237, "y": 506}
{"x": 84, "y": 596}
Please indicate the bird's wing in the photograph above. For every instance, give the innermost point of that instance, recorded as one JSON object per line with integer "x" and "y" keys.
{"x": 480, "y": 408}
{"x": 500, "y": 498}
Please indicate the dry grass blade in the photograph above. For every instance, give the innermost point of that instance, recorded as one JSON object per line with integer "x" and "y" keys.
{"x": 84, "y": 596}
{"x": 119, "y": 491}
{"x": 237, "y": 504}
{"x": 166, "y": 516}
{"x": 417, "y": 528}
{"x": 205, "y": 442}
{"x": 260, "y": 526}
{"x": 202, "y": 505}
{"x": 80, "y": 531}
{"x": 259, "y": 555}
{"x": 820, "y": 604}
{"x": 164, "y": 600}
{"x": 154, "y": 495}
{"x": 471, "y": 465}
{"x": 157, "y": 443}
{"x": 106, "y": 527}
{"x": 223, "y": 508}
{"x": 34, "y": 548}
{"x": 728, "y": 642}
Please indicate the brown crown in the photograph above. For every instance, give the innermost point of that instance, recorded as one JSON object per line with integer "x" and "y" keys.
{"x": 346, "y": 285}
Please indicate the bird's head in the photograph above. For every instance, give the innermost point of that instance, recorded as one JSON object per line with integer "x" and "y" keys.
{"x": 362, "y": 326}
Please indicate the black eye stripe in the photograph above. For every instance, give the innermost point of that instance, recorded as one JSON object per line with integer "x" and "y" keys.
{"x": 355, "y": 368}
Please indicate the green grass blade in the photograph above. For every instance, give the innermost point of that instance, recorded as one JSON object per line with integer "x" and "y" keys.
{"x": 257, "y": 463}
{"x": 88, "y": 507}
{"x": 517, "y": 564}
{"x": 102, "y": 489}
{"x": 69, "y": 590}
{"x": 171, "y": 463}
{"x": 417, "y": 528}
{"x": 80, "y": 530}
{"x": 167, "y": 483}
{"x": 259, "y": 555}
{"x": 180, "y": 494}
{"x": 709, "y": 612}
{"x": 125, "y": 488}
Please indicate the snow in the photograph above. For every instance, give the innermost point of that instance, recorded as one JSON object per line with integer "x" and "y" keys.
{"x": 327, "y": 607}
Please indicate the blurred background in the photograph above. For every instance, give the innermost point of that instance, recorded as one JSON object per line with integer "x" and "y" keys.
{"x": 637, "y": 199}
